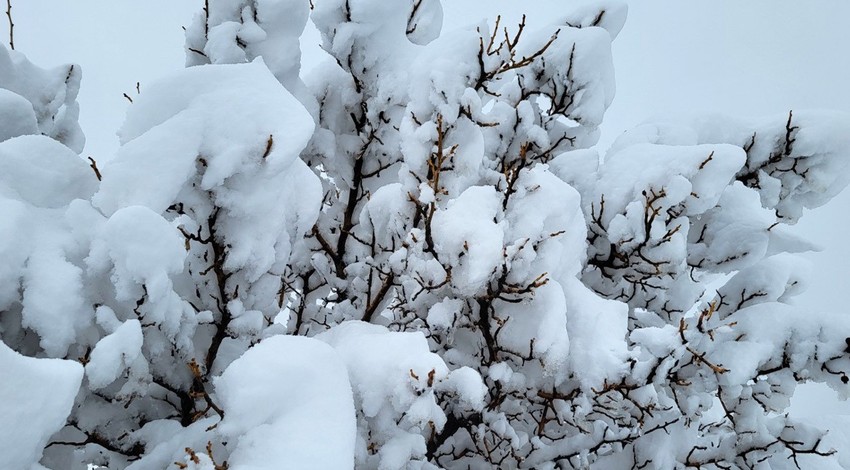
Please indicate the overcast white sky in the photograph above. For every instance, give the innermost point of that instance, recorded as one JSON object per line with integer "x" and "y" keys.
{"x": 751, "y": 58}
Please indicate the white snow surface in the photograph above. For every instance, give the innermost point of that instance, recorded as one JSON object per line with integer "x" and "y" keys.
{"x": 43, "y": 172}
{"x": 16, "y": 116}
{"x": 223, "y": 113}
{"x": 52, "y": 94}
{"x": 36, "y": 396}
{"x": 219, "y": 128}
{"x": 379, "y": 363}
{"x": 288, "y": 404}
{"x": 113, "y": 354}
{"x": 467, "y": 236}
{"x": 141, "y": 251}
{"x": 394, "y": 377}
{"x": 239, "y": 31}
{"x": 39, "y": 179}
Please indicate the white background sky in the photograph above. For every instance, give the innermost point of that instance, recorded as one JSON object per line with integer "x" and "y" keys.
{"x": 747, "y": 58}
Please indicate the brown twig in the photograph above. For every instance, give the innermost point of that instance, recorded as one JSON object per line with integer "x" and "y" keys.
{"x": 269, "y": 144}
{"x": 379, "y": 297}
{"x": 700, "y": 358}
{"x": 93, "y": 166}
{"x": 705, "y": 162}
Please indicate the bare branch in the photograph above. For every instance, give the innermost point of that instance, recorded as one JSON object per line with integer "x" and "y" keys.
{"x": 11, "y": 24}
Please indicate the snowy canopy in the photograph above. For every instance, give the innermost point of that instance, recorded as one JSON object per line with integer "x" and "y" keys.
{"x": 412, "y": 257}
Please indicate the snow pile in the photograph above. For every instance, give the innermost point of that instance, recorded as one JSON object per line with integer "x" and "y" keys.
{"x": 141, "y": 251}
{"x": 230, "y": 141}
{"x": 115, "y": 353}
{"x": 18, "y": 117}
{"x": 288, "y": 404}
{"x": 39, "y": 181}
{"x": 41, "y": 280}
{"x": 51, "y": 94}
{"x": 239, "y": 31}
{"x": 395, "y": 378}
{"x": 28, "y": 161}
{"x": 470, "y": 217}
{"x": 36, "y": 396}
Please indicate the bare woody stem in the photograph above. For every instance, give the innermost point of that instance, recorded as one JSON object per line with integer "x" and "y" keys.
{"x": 11, "y": 24}
{"x": 206, "y": 18}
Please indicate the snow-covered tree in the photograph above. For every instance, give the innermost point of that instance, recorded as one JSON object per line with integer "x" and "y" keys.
{"x": 410, "y": 257}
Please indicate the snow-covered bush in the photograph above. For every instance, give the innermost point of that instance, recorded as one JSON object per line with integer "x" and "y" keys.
{"x": 412, "y": 257}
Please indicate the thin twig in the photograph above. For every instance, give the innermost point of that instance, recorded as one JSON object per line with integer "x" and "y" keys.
{"x": 11, "y": 24}
{"x": 93, "y": 166}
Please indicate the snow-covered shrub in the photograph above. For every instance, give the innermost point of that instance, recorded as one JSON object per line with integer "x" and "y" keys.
{"x": 410, "y": 258}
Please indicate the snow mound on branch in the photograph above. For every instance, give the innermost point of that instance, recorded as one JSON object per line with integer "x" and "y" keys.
{"x": 558, "y": 231}
{"x": 16, "y": 116}
{"x": 607, "y": 14}
{"x": 735, "y": 233}
{"x": 43, "y": 172}
{"x": 166, "y": 442}
{"x": 425, "y": 21}
{"x": 287, "y": 401}
{"x": 796, "y": 161}
{"x": 114, "y": 353}
{"x": 238, "y": 31}
{"x": 225, "y": 113}
{"x": 467, "y": 237}
{"x": 52, "y": 94}
{"x": 596, "y": 328}
{"x": 368, "y": 20}
{"x": 39, "y": 179}
{"x": 538, "y": 327}
{"x": 228, "y": 92}
{"x": 695, "y": 175}
{"x": 395, "y": 376}
{"x": 217, "y": 132}
{"x": 53, "y": 302}
{"x": 142, "y": 247}
{"x": 584, "y": 61}
{"x": 36, "y": 396}
{"x": 141, "y": 250}
{"x": 376, "y": 369}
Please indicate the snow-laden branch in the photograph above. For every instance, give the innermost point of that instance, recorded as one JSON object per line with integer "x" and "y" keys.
{"x": 412, "y": 258}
